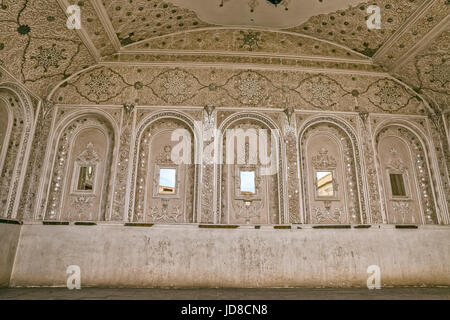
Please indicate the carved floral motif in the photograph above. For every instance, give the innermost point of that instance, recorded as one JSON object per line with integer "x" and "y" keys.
{"x": 240, "y": 88}
{"x": 321, "y": 91}
{"x": 175, "y": 86}
{"x": 323, "y": 160}
{"x": 250, "y": 88}
{"x": 395, "y": 162}
{"x": 402, "y": 209}
{"x": 247, "y": 211}
{"x": 80, "y": 208}
{"x": 49, "y": 57}
{"x": 328, "y": 215}
{"x": 89, "y": 156}
{"x": 388, "y": 95}
{"x": 250, "y": 40}
{"x": 166, "y": 213}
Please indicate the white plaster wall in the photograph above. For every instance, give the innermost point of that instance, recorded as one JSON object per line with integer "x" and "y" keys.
{"x": 9, "y": 236}
{"x": 188, "y": 256}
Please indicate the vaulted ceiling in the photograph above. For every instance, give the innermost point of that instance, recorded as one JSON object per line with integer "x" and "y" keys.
{"x": 37, "y": 48}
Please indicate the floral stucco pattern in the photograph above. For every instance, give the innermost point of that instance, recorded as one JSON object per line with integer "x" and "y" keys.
{"x": 39, "y": 48}
{"x": 272, "y": 89}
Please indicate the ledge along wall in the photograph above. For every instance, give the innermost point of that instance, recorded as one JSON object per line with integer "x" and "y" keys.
{"x": 9, "y": 238}
{"x": 191, "y": 256}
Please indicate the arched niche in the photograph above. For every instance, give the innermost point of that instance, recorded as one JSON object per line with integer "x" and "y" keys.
{"x": 330, "y": 174}
{"x": 80, "y": 186}
{"x": 6, "y": 123}
{"x": 16, "y": 129}
{"x": 165, "y": 171}
{"x": 405, "y": 176}
{"x": 250, "y": 171}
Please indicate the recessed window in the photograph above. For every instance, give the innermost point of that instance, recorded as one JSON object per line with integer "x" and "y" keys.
{"x": 325, "y": 184}
{"x": 86, "y": 178}
{"x": 167, "y": 181}
{"x": 397, "y": 185}
{"x": 248, "y": 182}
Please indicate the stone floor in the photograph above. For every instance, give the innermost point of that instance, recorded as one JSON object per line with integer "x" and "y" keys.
{"x": 414, "y": 293}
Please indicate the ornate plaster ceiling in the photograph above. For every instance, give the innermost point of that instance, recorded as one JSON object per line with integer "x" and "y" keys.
{"x": 37, "y": 47}
{"x": 343, "y": 22}
{"x": 39, "y": 51}
{"x": 262, "y": 13}
{"x": 428, "y": 72}
{"x": 137, "y": 20}
{"x": 348, "y": 26}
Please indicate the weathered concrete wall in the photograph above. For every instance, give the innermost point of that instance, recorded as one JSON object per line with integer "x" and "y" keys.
{"x": 189, "y": 256}
{"x": 9, "y": 237}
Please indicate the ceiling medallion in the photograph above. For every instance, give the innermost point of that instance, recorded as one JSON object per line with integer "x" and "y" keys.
{"x": 254, "y": 3}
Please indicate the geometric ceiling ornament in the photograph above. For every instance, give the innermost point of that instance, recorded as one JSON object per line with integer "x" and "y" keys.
{"x": 321, "y": 91}
{"x": 249, "y": 88}
{"x": 175, "y": 86}
{"x": 434, "y": 71}
{"x": 388, "y": 95}
{"x": 100, "y": 84}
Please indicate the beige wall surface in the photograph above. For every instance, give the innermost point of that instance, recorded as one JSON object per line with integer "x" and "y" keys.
{"x": 189, "y": 256}
{"x": 9, "y": 236}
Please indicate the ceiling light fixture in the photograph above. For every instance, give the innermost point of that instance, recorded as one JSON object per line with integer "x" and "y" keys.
{"x": 254, "y": 3}
{"x": 275, "y": 2}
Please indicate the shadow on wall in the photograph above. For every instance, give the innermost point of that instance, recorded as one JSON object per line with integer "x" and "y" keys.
{"x": 9, "y": 238}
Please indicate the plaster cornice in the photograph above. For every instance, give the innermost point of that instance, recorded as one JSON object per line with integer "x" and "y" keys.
{"x": 106, "y": 23}
{"x": 241, "y": 66}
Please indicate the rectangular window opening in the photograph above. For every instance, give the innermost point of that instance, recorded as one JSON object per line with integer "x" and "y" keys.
{"x": 397, "y": 185}
{"x": 167, "y": 181}
{"x": 325, "y": 184}
{"x": 248, "y": 186}
{"x": 86, "y": 178}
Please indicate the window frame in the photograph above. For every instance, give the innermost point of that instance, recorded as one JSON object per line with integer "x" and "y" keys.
{"x": 335, "y": 196}
{"x": 237, "y": 187}
{"x": 76, "y": 177}
{"x": 174, "y": 170}
{"x": 240, "y": 182}
{"x": 405, "y": 177}
{"x": 156, "y": 176}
